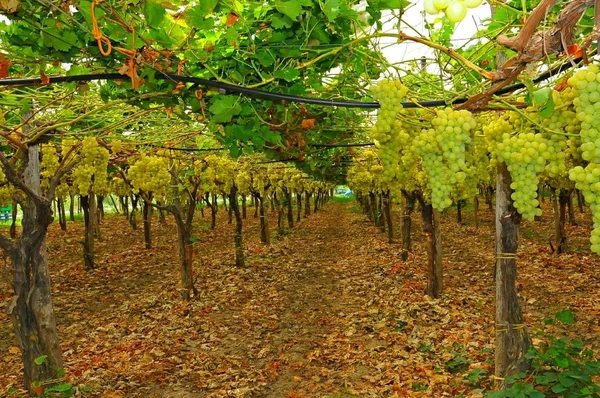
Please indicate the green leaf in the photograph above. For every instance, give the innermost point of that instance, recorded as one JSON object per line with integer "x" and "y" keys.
{"x": 279, "y": 21}
{"x": 154, "y": 13}
{"x": 224, "y": 108}
{"x": 562, "y": 362}
{"x": 388, "y": 4}
{"x": 287, "y": 74}
{"x": 331, "y": 9}
{"x": 62, "y": 387}
{"x": 565, "y": 316}
{"x": 265, "y": 58}
{"x": 40, "y": 360}
{"x": 565, "y": 380}
{"x": 291, "y": 8}
{"x": 196, "y": 15}
{"x": 558, "y": 388}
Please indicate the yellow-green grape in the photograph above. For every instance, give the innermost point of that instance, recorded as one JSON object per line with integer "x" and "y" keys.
{"x": 92, "y": 170}
{"x": 48, "y": 164}
{"x": 120, "y": 187}
{"x": 243, "y": 181}
{"x": 116, "y": 146}
{"x": 442, "y": 150}
{"x": 588, "y": 181}
{"x": 7, "y": 191}
{"x": 388, "y": 133}
{"x": 525, "y": 156}
{"x": 150, "y": 174}
{"x": 586, "y": 87}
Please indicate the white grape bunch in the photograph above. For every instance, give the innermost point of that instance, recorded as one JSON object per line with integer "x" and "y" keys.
{"x": 455, "y": 10}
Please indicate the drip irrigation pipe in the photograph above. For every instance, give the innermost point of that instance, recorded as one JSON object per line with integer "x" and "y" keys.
{"x": 226, "y": 88}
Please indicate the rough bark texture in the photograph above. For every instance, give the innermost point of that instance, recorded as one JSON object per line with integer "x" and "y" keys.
{"x": 307, "y": 205}
{"x": 298, "y": 206}
{"x": 387, "y": 215}
{"x": 434, "y": 251}
{"x": 563, "y": 201}
{"x": 239, "y": 247}
{"x": 244, "y": 206}
{"x": 512, "y": 340}
{"x": 580, "y": 200}
{"x": 264, "y": 222}
{"x": 290, "y": 209}
{"x": 13, "y": 224}
{"x": 147, "y": 225}
{"x": 213, "y": 212}
{"x": 72, "y": 207}
{"x": 476, "y": 210}
{"x": 459, "y": 219}
{"x": 405, "y": 224}
{"x": 88, "y": 239}
{"x": 572, "y": 218}
{"x": 132, "y": 220}
{"x": 31, "y": 309}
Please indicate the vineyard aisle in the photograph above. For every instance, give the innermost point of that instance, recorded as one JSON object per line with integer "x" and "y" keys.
{"x": 326, "y": 310}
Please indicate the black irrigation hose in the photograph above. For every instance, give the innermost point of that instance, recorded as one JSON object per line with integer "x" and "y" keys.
{"x": 230, "y": 88}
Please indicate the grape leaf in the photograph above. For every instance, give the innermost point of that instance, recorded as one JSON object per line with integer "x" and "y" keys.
{"x": 287, "y": 74}
{"x": 154, "y": 13}
{"x": 291, "y": 8}
{"x": 224, "y": 108}
{"x": 565, "y": 316}
{"x": 331, "y": 9}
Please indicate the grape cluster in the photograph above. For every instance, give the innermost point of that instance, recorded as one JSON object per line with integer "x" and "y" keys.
{"x": 588, "y": 181}
{"x": 455, "y": 10}
{"x": 6, "y": 190}
{"x": 525, "y": 156}
{"x": 91, "y": 173}
{"x": 442, "y": 150}
{"x": 586, "y": 86}
{"x": 151, "y": 175}
{"x": 388, "y": 133}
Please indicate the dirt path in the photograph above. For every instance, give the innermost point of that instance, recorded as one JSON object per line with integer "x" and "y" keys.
{"x": 326, "y": 310}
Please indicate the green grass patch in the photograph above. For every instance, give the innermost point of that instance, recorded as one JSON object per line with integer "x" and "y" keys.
{"x": 343, "y": 199}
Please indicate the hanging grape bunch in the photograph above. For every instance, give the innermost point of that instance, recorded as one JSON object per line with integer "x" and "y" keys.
{"x": 455, "y": 10}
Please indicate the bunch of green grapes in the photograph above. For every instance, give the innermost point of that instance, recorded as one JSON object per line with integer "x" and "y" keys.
{"x": 586, "y": 87}
{"x": 119, "y": 187}
{"x": 48, "y": 164}
{"x": 151, "y": 175}
{"x": 525, "y": 156}
{"x": 388, "y": 132}
{"x": 116, "y": 146}
{"x": 243, "y": 181}
{"x": 455, "y": 10}
{"x": 588, "y": 181}
{"x": 7, "y": 190}
{"x": 442, "y": 150}
{"x": 91, "y": 172}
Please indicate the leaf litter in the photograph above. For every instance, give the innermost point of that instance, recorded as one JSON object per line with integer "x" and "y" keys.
{"x": 327, "y": 310}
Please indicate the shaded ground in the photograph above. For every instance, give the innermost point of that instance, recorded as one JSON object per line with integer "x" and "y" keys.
{"x": 327, "y": 310}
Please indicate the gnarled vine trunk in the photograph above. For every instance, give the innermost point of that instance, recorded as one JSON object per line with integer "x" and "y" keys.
{"x": 290, "y": 210}
{"x": 512, "y": 339}
{"x": 387, "y": 215}
{"x": 264, "y": 222}
{"x": 434, "y": 250}
{"x": 88, "y": 204}
{"x": 239, "y": 248}
{"x": 298, "y": 206}
{"x": 147, "y": 215}
{"x": 406, "y": 223}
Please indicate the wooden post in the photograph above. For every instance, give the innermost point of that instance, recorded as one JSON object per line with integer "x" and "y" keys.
{"x": 512, "y": 339}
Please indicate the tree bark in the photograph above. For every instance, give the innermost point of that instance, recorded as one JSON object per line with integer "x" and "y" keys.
{"x": 563, "y": 201}
{"x": 239, "y": 247}
{"x": 307, "y": 205}
{"x": 244, "y": 206}
{"x": 72, "y": 207}
{"x": 405, "y": 225}
{"x": 147, "y": 224}
{"x": 213, "y": 211}
{"x": 264, "y": 222}
{"x": 97, "y": 210}
{"x": 62, "y": 217}
{"x": 572, "y": 219}
{"x": 88, "y": 238}
{"x": 476, "y": 210}
{"x": 255, "y": 199}
{"x": 290, "y": 210}
{"x": 298, "y": 206}
{"x": 31, "y": 309}
{"x": 316, "y": 207}
{"x": 229, "y": 211}
{"x": 512, "y": 339}
{"x": 434, "y": 250}
{"x": 13, "y": 224}
{"x": 132, "y": 220}
{"x": 459, "y": 219}
{"x": 387, "y": 215}
{"x": 580, "y": 200}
